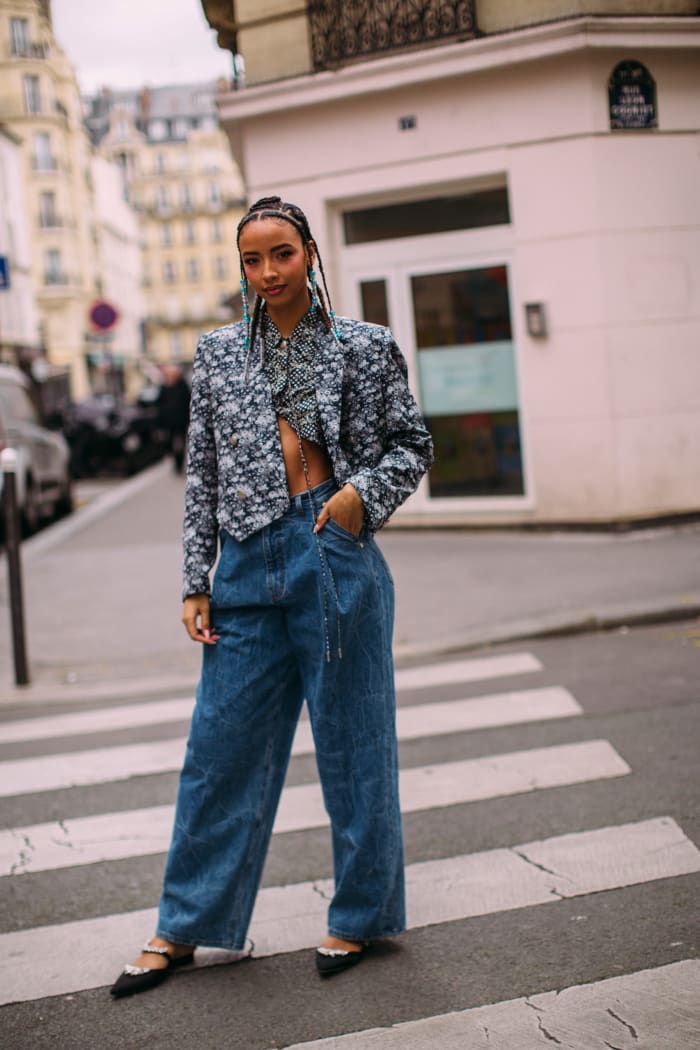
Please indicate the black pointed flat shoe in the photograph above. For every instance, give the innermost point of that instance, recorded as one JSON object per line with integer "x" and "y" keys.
{"x": 334, "y": 960}
{"x": 134, "y": 979}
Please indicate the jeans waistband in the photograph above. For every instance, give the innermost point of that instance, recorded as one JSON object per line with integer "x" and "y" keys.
{"x": 301, "y": 503}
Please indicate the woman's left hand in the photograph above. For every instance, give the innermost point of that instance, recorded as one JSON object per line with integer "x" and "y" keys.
{"x": 345, "y": 508}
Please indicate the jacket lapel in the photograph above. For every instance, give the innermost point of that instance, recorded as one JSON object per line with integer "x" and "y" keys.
{"x": 329, "y": 384}
{"x": 258, "y": 394}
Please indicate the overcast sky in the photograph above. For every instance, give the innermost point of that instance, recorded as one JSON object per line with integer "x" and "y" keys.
{"x": 129, "y": 43}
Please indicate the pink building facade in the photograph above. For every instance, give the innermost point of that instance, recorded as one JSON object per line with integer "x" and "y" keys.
{"x": 538, "y": 264}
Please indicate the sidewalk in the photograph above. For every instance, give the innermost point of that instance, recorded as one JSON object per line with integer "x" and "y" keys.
{"x": 102, "y": 592}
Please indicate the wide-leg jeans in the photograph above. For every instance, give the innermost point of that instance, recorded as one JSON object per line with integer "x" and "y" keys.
{"x": 277, "y": 602}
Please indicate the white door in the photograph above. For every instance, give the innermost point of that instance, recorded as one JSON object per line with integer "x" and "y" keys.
{"x": 451, "y": 315}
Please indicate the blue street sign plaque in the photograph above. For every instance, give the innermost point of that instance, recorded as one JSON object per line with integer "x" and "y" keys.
{"x": 4, "y": 272}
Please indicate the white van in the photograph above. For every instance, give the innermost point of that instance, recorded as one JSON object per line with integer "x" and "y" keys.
{"x": 43, "y": 478}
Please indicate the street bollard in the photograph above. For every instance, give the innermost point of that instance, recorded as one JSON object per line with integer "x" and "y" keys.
{"x": 8, "y": 463}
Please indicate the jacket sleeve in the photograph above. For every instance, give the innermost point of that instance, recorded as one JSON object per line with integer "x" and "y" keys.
{"x": 407, "y": 448}
{"x": 200, "y": 525}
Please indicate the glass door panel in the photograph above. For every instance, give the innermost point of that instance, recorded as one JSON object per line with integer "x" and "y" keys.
{"x": 467, "y": 379}
{"x": 374, "y": 302}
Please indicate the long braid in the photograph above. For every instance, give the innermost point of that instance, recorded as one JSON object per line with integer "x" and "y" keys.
{"x": 328, "y": 312}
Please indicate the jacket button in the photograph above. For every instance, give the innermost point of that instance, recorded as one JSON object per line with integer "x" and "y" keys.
{"x": 233, "y": 440}
{"x": 242, "y": 494}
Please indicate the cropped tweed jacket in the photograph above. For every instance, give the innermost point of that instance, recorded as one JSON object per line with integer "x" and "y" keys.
{"x": 375, "y": 436}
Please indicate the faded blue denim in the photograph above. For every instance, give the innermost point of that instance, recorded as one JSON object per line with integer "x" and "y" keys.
{"x": 268, "y": 602}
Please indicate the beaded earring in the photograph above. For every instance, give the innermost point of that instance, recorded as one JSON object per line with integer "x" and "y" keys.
{"x": 313, "y": 287}
{"x": 334, "y": 322}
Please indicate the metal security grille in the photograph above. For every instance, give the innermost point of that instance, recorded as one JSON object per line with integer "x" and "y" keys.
{"x": 341, "y": 31}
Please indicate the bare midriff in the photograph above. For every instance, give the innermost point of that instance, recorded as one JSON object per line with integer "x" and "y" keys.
{"x": 318, "y": 463}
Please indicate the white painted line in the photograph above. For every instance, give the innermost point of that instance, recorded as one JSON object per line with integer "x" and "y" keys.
{"x": 79, "y": 768}
{"x": 134, "y": 833}
{"x": 486, "y": 712}
{"x": 126, "y": 716}
{"x": 649, "y": 1010}
{"x": 99, "y": 766}
{"x": 70, "y": 957}
{"x": 129, "y": 716}
{"x": 473, "y": 670}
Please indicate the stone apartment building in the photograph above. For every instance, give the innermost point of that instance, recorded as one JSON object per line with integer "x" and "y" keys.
{"x": 512, "y": 186}
{"x": 70, "y": 225}
{"x": 40, "y": 103}
{"x": 179, "y": 175}
{"x": 19, "y": 318}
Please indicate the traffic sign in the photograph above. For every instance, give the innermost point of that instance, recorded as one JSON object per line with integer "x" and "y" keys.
{"x": 4, "y": 272}
{"x": 103, "y": 315}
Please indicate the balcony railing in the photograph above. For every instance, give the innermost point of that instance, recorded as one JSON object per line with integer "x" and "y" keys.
{"x": 26, "y": 49}
{"x": 342, "y": 32}
{"x": 50, "y": 221}
{"x": 53, "y": 279}
{"x": 44, "y": 163}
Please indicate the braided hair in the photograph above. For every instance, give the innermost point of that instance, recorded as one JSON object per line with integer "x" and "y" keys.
{"x": 276, "y": 208}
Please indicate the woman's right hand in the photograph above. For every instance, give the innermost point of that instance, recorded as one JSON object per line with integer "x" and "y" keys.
{"x": 195, "y": 616}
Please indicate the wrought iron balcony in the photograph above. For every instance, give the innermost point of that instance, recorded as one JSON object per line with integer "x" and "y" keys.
{"x": 50, "y": 221}
{"x": 44, "y": 163}
{"x": 343, "y": 32}
{"x": 28, "y": 49}
{"x": 56, "y": 279}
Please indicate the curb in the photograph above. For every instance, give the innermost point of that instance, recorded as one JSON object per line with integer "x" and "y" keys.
{"x": 552, "y": 625}
{"x": 669, "y": 609}
{"x": 96, "y": 509}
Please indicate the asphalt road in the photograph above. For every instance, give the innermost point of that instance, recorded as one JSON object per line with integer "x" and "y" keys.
{"x": 639, "y": 693}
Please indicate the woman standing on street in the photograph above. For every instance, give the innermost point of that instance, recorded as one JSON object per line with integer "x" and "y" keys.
{"x": 304, "y": 438}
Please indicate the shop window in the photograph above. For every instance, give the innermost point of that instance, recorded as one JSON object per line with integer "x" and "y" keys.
{"x": 424, "y": 217}
{"x": 467, "y": 378}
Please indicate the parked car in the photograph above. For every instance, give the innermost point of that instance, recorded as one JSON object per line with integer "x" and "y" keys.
{"x": 107, "y": 433}
{"x": 43, "y": 479}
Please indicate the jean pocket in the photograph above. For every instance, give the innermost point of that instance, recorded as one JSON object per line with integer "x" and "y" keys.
{"x": 338, "y": 530}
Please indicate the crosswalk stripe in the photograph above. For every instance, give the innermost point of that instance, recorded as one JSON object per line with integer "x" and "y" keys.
{"x": 101, "y": 765}
{"x": 54, "y": 960}
{"x": 124, "y": 716}
{"x": 651, "y": 1008}
{"x": 131, "y": 716}
{"x": 472, "y": 670}
{"x": 114, "y": 836}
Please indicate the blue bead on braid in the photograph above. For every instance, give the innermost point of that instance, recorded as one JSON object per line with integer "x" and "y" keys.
{"x": 313, "y": 287}
{"x": 334, "y": 322}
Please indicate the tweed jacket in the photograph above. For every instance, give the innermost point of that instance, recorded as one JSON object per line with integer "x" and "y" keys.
{"x": 375, "y": 436}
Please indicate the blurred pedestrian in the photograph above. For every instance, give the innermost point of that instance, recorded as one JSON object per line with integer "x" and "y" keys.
{"x": 174, "y": 412}
{"x": 304, "y": 439}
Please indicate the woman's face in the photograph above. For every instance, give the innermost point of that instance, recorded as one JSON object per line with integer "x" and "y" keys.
{"x": 276, "y": 263}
